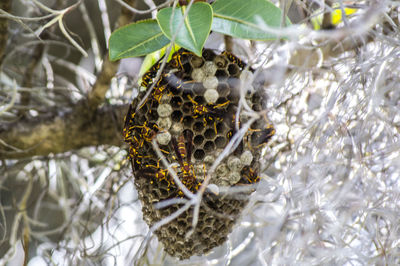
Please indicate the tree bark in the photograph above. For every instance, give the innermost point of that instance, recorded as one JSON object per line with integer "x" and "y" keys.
{"x": 109, "y": 69}
{"x": 57, "y": 133}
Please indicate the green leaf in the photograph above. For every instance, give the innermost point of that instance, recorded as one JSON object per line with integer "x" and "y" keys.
{"x": 246, "y": 19}
{"x": 136, "y": 39}
{"x": 193, "y": 31}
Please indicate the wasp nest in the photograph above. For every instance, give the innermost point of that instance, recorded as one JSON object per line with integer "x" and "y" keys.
{"x": 191, "y": 113}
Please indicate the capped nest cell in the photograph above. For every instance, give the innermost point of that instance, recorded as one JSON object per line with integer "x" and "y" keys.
{"x": 191, "y": 113}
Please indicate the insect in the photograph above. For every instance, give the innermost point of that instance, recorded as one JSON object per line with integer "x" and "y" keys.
{"x": 146, "y": 131}
{"x": 152, "y": 166}
{"x": 159, "y": 174}
{"x": 179, "y": 57}
{"x": 151, "y": 73}
{"x": 234, "y": 59}
{"x": 128, "y": 119}
{"x": 133, "y": 157}
{"x": 136, "y": 136}
{"x": 229, "y": 134}
{"x": 209, "y": 113}
{"x": 175, "y": 82}
{"x": 158, "y": 92}
{"x": 135, "y": 145}
{"x": 129, "y": 135}
{"x": 258, "y": 138}
{"x": 176, "y": 61}
{"x": 129, "y": 116}
{"x": 200, "y": 109}
{"x": 250, "y": 175}
{"x": 265, "y": 135}
{"x": 183, "y": 153}
{"x": 136, "y": 151}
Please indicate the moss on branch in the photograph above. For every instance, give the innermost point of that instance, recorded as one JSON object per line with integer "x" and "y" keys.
{"x": 55, "y": 133}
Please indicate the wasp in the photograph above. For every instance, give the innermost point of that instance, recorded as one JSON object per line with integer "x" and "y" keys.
{"x": 203, "y": 109}
{"x": 250, "y": 175}
{"x": 134, "y": 155}
{"x": 146, "y": 132}
{"x": 198, "y": 109}
{"x": 159, "y": 174}
{"x": 158, "y": 92}
{"x": 234, "y": 59}
{"x": 176, "y": 61}
{"x": 209, "y": 112}
{"x": 135, "y": 145}
{"x": 136, "y": 152}
{"x": 183, "y": 149}
{"x": 129, "y": 134}
{"x": 259, "y": 137}
{"x": 129, "y": 116}
{"x": 229, "y": 134}
{"x": 128, "y": 120}
{"x": 181, "y": 56}
{"x": 151, "y": 73}
{"x": 152, "y": 166}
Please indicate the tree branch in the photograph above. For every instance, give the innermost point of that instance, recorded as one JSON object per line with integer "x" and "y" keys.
{"x": 109, "y": 69}
{"x": 56, "y": 133}
{"x": 98, "y": 92}
{"x": 228, "y": 43}
{"x": 83, "y": 125}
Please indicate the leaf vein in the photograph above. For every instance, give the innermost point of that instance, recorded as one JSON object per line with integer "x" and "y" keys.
{"x": 141, "y": 44}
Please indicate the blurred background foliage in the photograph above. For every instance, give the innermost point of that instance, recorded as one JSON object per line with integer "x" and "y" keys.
{"x": 330, "y": 181}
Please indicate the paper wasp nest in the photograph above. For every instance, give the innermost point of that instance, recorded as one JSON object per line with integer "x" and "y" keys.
{"x": 191, "y": 112}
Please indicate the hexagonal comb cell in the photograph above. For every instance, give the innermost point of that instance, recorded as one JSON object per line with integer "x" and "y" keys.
{"x": 191, "y": 113}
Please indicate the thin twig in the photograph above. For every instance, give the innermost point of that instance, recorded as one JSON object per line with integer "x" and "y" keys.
{"x": 228, "y": 40}
{"x": 93, "y": 38}
{"x": 105, "y": 20}
{"x": 134, "y": 10}
{"x": 109, "y": 68}
{"x": 168, "y": 50}
{"x": 171, "y": 171}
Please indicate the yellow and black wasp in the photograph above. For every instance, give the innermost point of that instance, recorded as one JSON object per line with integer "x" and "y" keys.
{"x": 234, "y": 59}
{"x": 183, "y": 149}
